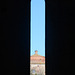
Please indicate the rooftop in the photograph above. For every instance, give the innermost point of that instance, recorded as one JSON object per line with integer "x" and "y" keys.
{"x": 37, "y": 59}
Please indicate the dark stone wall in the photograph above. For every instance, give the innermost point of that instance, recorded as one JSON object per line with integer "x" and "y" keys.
{"x": 15, "y": 45}
{"x": 15, "y": 37}
{"x": 59, "y": 37}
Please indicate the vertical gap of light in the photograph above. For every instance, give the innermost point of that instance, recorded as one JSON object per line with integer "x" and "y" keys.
{"x": 37, "y": 30}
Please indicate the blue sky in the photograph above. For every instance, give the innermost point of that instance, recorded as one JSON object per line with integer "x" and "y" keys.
{"x": 38, "y": 27}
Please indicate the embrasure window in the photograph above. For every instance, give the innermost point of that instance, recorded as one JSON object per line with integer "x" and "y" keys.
{"x": 37, "y": 45}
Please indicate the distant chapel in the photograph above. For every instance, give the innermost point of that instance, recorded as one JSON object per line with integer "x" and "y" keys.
{"x": 37, "y": 64}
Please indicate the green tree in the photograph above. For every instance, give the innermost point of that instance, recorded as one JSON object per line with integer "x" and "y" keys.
{"x": 36, "y": 74}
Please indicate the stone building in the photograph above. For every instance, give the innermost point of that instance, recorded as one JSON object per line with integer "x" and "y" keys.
{"x": 37, "y": 64}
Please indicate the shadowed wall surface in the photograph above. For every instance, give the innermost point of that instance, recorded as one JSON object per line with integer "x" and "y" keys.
{"x": 15, "y": 37}
{"x": 15, "y": 19}
{"x": 59, "y": 37}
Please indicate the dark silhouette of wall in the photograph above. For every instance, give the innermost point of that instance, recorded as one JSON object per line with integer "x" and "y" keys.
{"x": 15, "y": 19}
{"x": 15, "y": 37}
{"x": 59, "y": 40}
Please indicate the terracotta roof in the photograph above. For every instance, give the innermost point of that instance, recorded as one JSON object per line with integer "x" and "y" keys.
{"x": 37, "y": 59}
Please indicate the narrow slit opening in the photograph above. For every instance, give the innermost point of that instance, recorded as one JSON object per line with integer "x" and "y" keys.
{"x": 37, "y": 38}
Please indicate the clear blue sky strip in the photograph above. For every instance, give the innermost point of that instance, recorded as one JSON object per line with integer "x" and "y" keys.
{"x": 37, "y": 27}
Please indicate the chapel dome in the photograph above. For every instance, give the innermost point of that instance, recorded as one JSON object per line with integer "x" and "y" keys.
{"x": 37, "y": 59}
